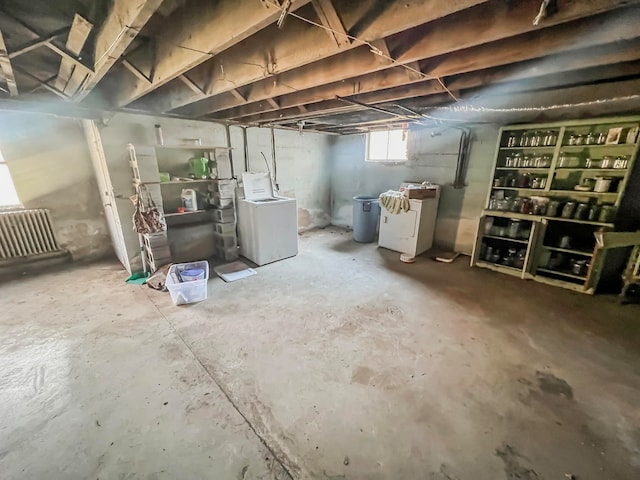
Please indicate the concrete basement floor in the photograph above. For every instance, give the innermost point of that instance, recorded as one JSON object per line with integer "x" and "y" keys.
{"x": 339, "y": 363}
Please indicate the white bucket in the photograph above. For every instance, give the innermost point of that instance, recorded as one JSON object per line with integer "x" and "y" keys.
{"x": 189, "y": 199}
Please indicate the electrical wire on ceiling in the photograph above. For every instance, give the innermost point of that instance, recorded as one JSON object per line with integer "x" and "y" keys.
{"x": 461, "y": 108}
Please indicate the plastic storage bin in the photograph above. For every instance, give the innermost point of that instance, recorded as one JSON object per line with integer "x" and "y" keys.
{"x": 187, "y": 292}
{"x": 366, "y": 214}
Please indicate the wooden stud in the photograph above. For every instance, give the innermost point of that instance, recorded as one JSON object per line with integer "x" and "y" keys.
{"x": 38, "y": 42}
{"x": 238, "y": 95}
{"x": 78, "y": 34}
{"x": 64, "y": 53}
{"x": 135, "y": 70}
{"x": 331, "y": 20}
{"x": 191, "y": 84}
{"x": 118, "y": 30}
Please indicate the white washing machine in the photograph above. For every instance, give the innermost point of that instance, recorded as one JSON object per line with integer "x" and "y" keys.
{"x": 410, "y": 232}
{"x": 267, "y": 224}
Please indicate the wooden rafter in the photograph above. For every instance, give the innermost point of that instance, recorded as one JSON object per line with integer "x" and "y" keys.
{"x": 554, "y": 40}
{"x": 38, "y": 42}
{"x": 453, "y": 33}
{"x": 135, "y": 70}
{"x": 7, "y": 68}
{"x": 331, "y": 21}
{"x": 78, "y": 35}
{"x": 121, "y": 26}
{"x": 311, "y": 45}
{"x": 199, "y": 34}
{"x": 191, "y": 84}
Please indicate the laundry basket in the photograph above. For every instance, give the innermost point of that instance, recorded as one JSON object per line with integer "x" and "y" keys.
{"x": 187, "y": 292}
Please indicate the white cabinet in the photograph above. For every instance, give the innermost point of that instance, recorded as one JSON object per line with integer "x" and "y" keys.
{"x": 410, "y": 232}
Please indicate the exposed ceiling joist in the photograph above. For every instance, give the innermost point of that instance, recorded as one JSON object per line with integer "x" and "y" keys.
{"x": 38, "y": 42}
{"x": 78, "y": 35}
{"x": 121, "y": 26}
{"x": 7, "y": 69}
{"x": 590, "y": 33}
{"x": 135, "y": 70}
{"x": 331, "y": 21}
{"x": 202, "y": 29}
{"x": 298, "y": 45}
{"x": 612, "y": 60}
{"x": 463, "y": 30}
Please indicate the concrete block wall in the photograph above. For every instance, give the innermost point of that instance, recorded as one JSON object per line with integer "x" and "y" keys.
{"x": 303, "y": 170}
{"x": 432, "y": 156}
{"x": 50, "y": 166}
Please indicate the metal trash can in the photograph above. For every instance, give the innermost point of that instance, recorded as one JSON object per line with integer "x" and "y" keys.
{"x": 366, "y": 213}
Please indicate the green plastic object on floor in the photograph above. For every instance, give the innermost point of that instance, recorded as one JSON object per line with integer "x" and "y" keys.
{"x": 138, "y": 278}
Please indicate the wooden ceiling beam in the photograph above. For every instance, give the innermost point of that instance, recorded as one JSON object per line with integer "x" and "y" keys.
{"x": 200, "y": 30}
{"x": 37, "y": 43}
{"x": 135, "y": 70}
{"x": 297, "y": 45}
{"x": 463, "y": 30}
{"x": 331, "y": 21}
{"x": 192, "y": 85}
{"x": 78, "y": 35}
{"x": 124, "y": 21}
{"x": 530, "y": 46}
{"x": 7, "y": 69}
{"x": 612, "y": 57}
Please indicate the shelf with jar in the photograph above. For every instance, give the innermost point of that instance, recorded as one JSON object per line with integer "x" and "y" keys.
{"x": 556, "y": 187}
{"x": 529, "y": 138}
{"x": 504, "y": 244}
{"x": 565, "y": 255}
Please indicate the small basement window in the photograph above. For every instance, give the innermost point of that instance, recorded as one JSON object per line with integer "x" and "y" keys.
{"x": 8, "y": 195}
{"x": 387, "y": 146}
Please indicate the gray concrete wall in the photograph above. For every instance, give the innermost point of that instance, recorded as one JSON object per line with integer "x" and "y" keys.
{"x": 303, "y": 170}
{"x": 51, "y": 168}
{"x": 431, "y": 158}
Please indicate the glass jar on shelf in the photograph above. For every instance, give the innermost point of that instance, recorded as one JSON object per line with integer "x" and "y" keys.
{"x": 513, "y": 228}
{"x": 536, "y": 139}
{"x": 579, "y": 140}
{"x": 512, "y": 140}
{"x": 607, "y": 214}
{"x": 524, "y": 180}
{"x": 602, "y": 138}
{"x": 521, "y": 256}
{"x": 550, "y": 138}
{"x": 568, "y": 210}
{"x": 590, "y": 139}
{"x": 525, "y": 139}
{"x": 572, "y": 140}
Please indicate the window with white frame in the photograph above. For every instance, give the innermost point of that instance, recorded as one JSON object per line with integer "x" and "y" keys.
{"x": 8, "y": 194}
{"x": 387, "y": 146}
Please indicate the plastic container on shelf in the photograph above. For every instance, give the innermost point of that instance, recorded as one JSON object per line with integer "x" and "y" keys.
{"x": 185, "y": 292}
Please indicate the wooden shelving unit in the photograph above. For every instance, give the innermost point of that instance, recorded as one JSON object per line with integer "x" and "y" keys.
{"x": 577, "y": 264}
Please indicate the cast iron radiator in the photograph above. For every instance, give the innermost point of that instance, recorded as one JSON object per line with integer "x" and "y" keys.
{"x": 25, "y": 233}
